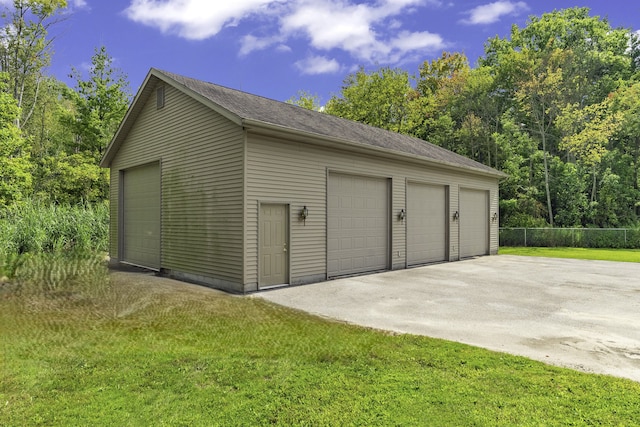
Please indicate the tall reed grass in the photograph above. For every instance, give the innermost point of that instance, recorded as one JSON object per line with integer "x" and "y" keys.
{"x": 40, "y": 228}
{"x": 35, "y": 236}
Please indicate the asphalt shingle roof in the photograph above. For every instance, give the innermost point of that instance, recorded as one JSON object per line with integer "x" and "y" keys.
{"x": 246, "y": 106}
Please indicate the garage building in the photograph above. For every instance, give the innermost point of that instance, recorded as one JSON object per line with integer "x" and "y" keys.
{"x": 239, "y": 192}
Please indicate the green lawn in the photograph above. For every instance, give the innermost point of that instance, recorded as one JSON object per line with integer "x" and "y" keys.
{"x": 135, "y": 352}
{"x": 625, "y": 255}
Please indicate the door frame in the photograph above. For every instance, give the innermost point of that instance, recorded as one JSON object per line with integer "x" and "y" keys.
{"x": 287, "y": 236}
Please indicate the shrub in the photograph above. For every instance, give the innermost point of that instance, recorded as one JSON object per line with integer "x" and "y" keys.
{"x": 633, "y": 238}
{"x": 606, "y": 238}
{"x": 602, "y": 238}
{"x": 512, "y": 237}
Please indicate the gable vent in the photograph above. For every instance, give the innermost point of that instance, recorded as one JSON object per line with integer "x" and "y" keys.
{"x": 160, "y": 97}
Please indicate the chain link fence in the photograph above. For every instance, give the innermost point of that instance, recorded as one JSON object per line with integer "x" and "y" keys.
{"x": 625, "y": 238}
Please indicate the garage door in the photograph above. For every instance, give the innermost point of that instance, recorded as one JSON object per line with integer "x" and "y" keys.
{"x": 357, "y": 224}
{"x": 141, "y": 216}
{"x": 426, "y": 223}
{"x": 474, "y": 223}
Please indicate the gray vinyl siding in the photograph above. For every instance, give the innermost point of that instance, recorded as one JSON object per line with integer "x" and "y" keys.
{"x": 201, "y": 155}
{"x": 114, "y": 192}
{"x": 276, "y": 175}
{"x": 398, "y": 235}
{"x": 296, "y": 173}
{"x": 494, "y": 225}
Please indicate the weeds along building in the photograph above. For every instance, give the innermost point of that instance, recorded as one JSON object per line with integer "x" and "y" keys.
{"x": 240, "y": 192}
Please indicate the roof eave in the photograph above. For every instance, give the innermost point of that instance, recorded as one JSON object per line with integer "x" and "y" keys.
{"x": 273, "y": 130}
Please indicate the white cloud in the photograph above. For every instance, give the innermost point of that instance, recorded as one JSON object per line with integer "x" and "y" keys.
{"x": 317, "y": 65}
{"x": 369, "y": 31}
{"x": 394, "y": 24}
{"x": 407, "y": 41}
{"x": 283, "y": 48}
{"x": 357, "y": 28}
{"x": 195, "y": 19}
{"x": 250, "y": 43}
{"x": 492, "y": 12}
{"x": 331, "y": 25}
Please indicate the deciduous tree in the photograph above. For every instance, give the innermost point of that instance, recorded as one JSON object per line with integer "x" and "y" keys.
{"x": 306, "y": 100}
{"x": 25, "y": 49}
{"x": 380, "y": 98}
{"x": 99, "y": 104}
{"x": 15, "y": 176}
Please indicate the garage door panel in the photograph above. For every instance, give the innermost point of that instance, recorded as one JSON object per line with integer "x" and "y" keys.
{"x": 474, "y": 223}
{"x": 426, "y": 223}
{"x": 358, "y": 224}
{"x": 141, "y": 216}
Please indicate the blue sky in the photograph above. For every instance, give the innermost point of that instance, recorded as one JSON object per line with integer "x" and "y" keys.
{"x": 274, "y": 48}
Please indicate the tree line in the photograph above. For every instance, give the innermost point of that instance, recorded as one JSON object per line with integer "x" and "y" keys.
{"x": 556, "y": 105}
{"x": 52, "y": 136}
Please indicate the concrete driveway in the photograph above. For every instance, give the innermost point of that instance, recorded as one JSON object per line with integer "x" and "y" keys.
{"x": 578, "y": 314}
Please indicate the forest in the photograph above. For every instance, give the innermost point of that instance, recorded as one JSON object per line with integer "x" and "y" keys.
{"x": 555, "y": 105}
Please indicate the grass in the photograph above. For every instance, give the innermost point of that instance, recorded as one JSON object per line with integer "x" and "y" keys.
{"x": 86, "y": 348}
{"x": 623, "y": 255}
{"x": 34, "y": 227}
